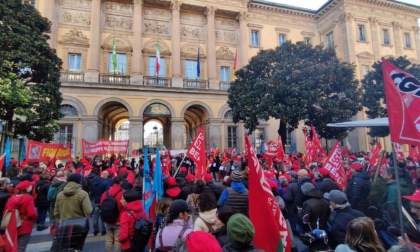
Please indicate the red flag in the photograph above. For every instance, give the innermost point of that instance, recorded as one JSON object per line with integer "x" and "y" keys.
{"x": 412, "y": 152}
{"x": 280, "y": 150}
{"x": 384, "y": 164}
{"x": 310, "y": 149}
{"x": 375, "y": 154}
{"x": 334, "y": 165}
{"x": 264, "y": 212}
{"x": 233, "y": 152}
{"x": 225, "y": 154}
{"x": 197, "y": 152}
{"x": 271, "y": 232}
{"x": 10, "y": 236}
{"x": 317, "y": 142}
{"x": 345, "y": 152}
{"x": 402, "y": 102}
{"x": 398, "y": 151}
{"x": 2, "y": 160}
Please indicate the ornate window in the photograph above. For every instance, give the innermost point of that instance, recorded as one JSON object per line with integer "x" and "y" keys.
{"x": 68, "y": 110}
{"x": 228, "y": 115}
{"x": 75, "y": 62}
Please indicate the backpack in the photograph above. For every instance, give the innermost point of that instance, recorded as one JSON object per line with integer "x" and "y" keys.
{"x": 52, "y": 193}
{"x": 142, "y": 230}
{"x": 109, "y": 208}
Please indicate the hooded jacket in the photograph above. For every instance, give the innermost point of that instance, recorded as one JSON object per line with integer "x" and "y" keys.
{"x": 59, "y": 184}
{"x": 127, "y": 222}
{"x": 236, "y": 197}
{"x": 318, "y": 209}
{"x": 358, "y": 190}
{"x": 26, "y": 206}
{"x": 207, "y": 216}
{"x": 72, "y": 202}
{"x": 41, "y": 188}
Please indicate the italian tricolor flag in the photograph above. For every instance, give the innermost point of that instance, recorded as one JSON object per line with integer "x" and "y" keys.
{"x": 157, "y": 59}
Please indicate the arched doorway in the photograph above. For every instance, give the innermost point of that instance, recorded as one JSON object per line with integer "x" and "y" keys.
{"x": 157, "y": 126}
{"x": 195, "y": 116}
{"x": 113, "y": 121}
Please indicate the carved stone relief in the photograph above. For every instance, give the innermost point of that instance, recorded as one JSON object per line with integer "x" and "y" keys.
{"x": 119, "y": 22}
{"x": 224, "y": 53}
{"x": 78, "y": 3}
{"x": 75, "y": 37}
{"x": 156, "y": 27}
{"x": 154, "y": 12}
{"x": 75, "y": 17}
{"x": 191, "y": 32}
{"x": 225, "y": 36}
{"x": 119, "y": 8}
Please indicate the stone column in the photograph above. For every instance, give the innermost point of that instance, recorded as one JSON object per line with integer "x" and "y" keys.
{"x": 92, "y": 74}
{"x": 243, "y": 40}
{"x": 211, "y": 49}
{"x": 176, "y": 45}
{"x": 348, "y": 46}
{"x": 177, "y": 133}
{"x": 135, "y": 133}
{"x": 136, "y": 76}
{"x": 397, "y": 39}
{"x": 90, "y": 128}
{"x": 376, "y": 42}
{"x": 417, "y": 40}
{"x": 215, "y": 132}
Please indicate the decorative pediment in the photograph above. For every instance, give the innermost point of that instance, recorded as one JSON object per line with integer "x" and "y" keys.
{"x": 190, "y": 50}
{"x": 365, "y": 55}
{"x": 165, "y": 53}
{"x": 121, "y": 44}
{"x": 151, "y": 45}
{"x": 225, "y": 53}
{"x": 75, "y": 38}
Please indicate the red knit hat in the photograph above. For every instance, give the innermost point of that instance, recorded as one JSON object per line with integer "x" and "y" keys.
{"x": 173, "y": 192}
{"x": 208, "y": 177}
{"x": 272, "y": 183}
{"x": 183, "y": 169}
{"x": 171, "y": 181}
{"x": 357, "y": 166}
{"x": 190, "y": 178}
{"x": 323, "y": 171}
{"x": 200, "y": 241}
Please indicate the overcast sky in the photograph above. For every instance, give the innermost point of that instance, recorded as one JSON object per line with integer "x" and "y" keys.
{"x": 315, "y": 4}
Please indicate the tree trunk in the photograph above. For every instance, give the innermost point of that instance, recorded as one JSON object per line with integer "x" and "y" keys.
{"x": 282, "y": 131}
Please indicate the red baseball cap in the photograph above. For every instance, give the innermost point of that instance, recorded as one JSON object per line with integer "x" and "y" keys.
{"x": 201, "y": 241}
{"x": 414, "y": 197}
{"x": 171, "y": 181}
{"x": 173, "y": 192}
{"x": 190, "y": 177}
{"x": 183, "y": 169}
{"x": 272, "y": 183}
{"x": 357, "y": 166}
{"x": 323, "y": 171}
{"x": 208, "y": 177}
{"x": 24, "y": 185}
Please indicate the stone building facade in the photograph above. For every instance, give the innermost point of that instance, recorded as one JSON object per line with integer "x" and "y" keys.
{"x": 99, "y": 96}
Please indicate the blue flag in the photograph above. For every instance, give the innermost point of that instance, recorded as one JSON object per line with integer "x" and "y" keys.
{"x": 7, "y": 151}
{"x": 198, "y": 64}
{"x": 262, "y": 147}
{"x": 22, "y": 149}
{"x": 147, "y": 184}
{"x": 158, "y": 183}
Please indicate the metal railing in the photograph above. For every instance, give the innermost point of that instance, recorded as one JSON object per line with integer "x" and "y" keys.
{"x": 224, "y": 85}
{"x": 114, "y": 78}
{"x": 72, "y": 76}
{"x": 201, "y": 84}
{"x": 156, "y": 81}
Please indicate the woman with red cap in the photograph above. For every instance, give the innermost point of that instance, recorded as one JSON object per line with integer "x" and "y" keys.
{"x": 24, "y": 203}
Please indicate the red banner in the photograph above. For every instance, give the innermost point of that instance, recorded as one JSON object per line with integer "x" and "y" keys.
{"x": 414, "y": 152}
{"x": 103, "y": 147}
{"x": 280, "y": 150}
{"x": 310, "y": 149}
{"x": 44, "y": 152}
{"x": 398, "y": 151}
{"x": 334, "y": 165}
{"x": 317, "y": 143}
{"x": 264, "y": 211}
{"x": 272, "y": 148}
{"x": 375, "y": 154}
{"x": 197, "y": 152}
{"x": 402, "y": 92}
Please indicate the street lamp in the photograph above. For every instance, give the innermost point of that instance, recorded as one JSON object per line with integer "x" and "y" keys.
{"x": 155, "y": 128}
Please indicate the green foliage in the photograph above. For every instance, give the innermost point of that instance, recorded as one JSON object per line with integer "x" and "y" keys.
{"x": 296, "y": 82}
{"x": 374, "y": 96}
{"x": 29, "y": 73}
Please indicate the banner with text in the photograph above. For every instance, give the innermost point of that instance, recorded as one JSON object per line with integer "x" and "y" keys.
{"x": 334, "y": 165}
{"x": 44, "y": 152}
{"x": 103, "y": 147}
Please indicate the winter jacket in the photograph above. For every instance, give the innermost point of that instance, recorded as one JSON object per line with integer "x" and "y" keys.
{"x": 72, "y": 202}
{"x": 99, "y": 186}
{"x": 208, "y": 216}
{"x": 289, "y": 198}
{"x": 213, "y": 188}
{"x": 113, "y": 191}
{"x": 4, "y": 197}
{"x": 186, "y": 190}
{"x": 358, "y": 191}
{"x": 26, "y": 206}
{"x": 240, "y": 247}
{"x": 59, "y": 184}
{"x": 300, "y": 198}
{"x": 41, "y": 189}
{"x": 221, "y": 236}
{"x": 327, "y": 185}
{"x": 318, "y": 209}
{"x": 343, "y": 248}
{"x": 171, "y": 232}
{"x": 236, "y": 197}
{"x": 127, "y": 222}
{"x": 338, "y": 221}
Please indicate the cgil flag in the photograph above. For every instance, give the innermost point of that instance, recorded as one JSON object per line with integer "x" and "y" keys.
{"x": 402, "y": 102}
{"x": 197, "y": 152}
{"x": 271, "y": 232}
{"x": 375, "y": 154}
{"x": 157, "y": 68}
{"x": 335, "y": 167}
{"x": 317, "y": 142}
{"x": 114, "y": 55}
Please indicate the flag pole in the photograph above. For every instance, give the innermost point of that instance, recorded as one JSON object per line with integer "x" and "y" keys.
{"x": 397, "y": 180}
{"x": 180, "y": 165}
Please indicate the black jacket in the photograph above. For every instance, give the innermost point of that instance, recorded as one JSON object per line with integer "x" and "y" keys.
{"x": 358, "y": 191}
{"x": 186, "y": 190}
{"x": 41, "y": 189}
{"x": 221, "y": 236}
{"x": 318, "y": 209}
{"x": 240, "y": 247}
{"x": 327, "y": 185}
{"x": 213, "y": 188}
{"x": 338, "y": 221}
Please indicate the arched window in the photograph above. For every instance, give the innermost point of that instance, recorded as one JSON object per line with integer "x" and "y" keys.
{"x": 68, "y": 110}
{"x": 229, "y": 115}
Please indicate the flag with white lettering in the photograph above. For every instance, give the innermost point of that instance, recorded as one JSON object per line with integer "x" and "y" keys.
{"x": 402, "y": 93}
{"x": 197, "y": 153}
{"x": 271, "y": 232}
{"x": 335, "y": 167}
{"x": 375, "y": 154}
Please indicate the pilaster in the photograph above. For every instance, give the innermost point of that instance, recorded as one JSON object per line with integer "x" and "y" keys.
{"x": 215, "y": 132}
{"x": 397, "y": 39}
{"x": 90, "y": 129}
{"x": 348, "y": 27}
{"x": 376, "y": 44}
{"x": 176, "y": 45}
{"x": 417, "y": 41}
{"x": 243, "y": 39}
{"x": 92, "y": 74}
{"x": 136, "y": 76}
{"x": 177, "y": 133}
{"x": 135, "y": 133}
{"x": 211, "y": 48}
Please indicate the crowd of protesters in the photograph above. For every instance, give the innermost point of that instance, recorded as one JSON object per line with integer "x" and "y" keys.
{"x": 211, "y": 213}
